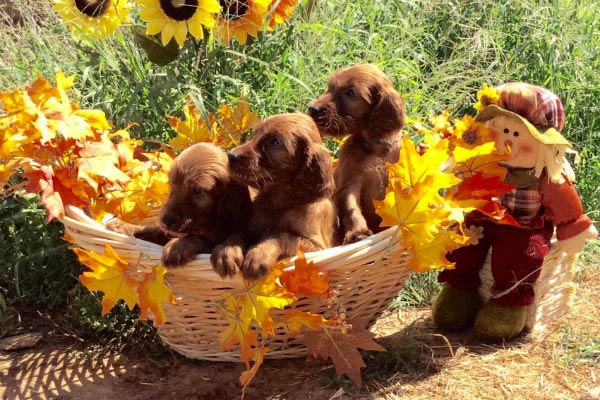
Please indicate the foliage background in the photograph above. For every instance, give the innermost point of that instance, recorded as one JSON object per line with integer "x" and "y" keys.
{"x": 438, "y": 53}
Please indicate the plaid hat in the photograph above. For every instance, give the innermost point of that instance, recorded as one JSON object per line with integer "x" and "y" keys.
{"x": 538, "y": 108}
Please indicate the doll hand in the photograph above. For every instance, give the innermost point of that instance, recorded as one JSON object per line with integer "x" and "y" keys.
{"x": 576, "y": 243}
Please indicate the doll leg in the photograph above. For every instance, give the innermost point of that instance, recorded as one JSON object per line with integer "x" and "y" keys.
{"x": 517, "y": 256}
{"x": 457, "y": 304}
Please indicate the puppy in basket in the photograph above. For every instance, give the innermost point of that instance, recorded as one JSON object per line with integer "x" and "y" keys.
{"x": 291, "y": 172}
{"x": 203, "y": 209}
{"x": 361, "y": 101}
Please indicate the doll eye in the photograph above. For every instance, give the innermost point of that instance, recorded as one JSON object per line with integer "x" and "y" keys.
{"x": 506, "y": 130}
{"x": 515, "y": 134}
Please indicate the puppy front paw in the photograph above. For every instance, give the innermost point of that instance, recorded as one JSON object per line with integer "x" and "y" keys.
{"x": 227, "y": 260}
{"x": 116, "y": 225}
{"x": 356, "y": 235}
{"x": 257, "y": 264}
{"x": 180, "y": 251}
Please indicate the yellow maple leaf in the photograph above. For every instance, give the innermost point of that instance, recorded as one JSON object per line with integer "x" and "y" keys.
{"x": 483, "y": 159}
{"x": 238, "y": 331}
{"x": 152, "y": 293}
{"x": 294, "y": 320}
{"x": 109, "y": 274}
{"x": 193, "y": 129}
{"x": 431, "y": 254}
{"x": 259, "y": 297}
{"x": 305, "y": 279}
{"x": 231, "y": 123}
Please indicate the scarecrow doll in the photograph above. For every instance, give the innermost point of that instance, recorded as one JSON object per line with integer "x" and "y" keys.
{"x": 526, "y": 122}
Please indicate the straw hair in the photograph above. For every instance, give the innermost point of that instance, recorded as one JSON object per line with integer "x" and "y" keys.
{"x": 367, "y": 275}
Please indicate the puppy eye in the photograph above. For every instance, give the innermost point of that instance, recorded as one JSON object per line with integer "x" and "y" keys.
{"x": 197, "y": 191}
{"x": 275, "y": 142}
{"x": 352, "y": 92}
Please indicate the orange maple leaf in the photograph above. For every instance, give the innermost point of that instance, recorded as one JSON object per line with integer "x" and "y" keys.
{"x": 305, "y": 279}
{"x": 484, "y": 159}
{"x": 342, "y": 348}
{"x": 248, "y": 375}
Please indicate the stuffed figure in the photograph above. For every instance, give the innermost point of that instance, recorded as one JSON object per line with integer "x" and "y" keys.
{"x": 526, "y": 121}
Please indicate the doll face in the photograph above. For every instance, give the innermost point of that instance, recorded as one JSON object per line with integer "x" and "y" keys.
{"x": 512, "y": 133}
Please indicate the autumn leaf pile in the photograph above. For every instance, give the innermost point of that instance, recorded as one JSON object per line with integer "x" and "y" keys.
{"x": 73, "y": 157}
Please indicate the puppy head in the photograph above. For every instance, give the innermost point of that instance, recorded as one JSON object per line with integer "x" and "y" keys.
{"x": 360, "y": 99}
{"x": 285, "y": 153}
{"x": 198, "y": 180}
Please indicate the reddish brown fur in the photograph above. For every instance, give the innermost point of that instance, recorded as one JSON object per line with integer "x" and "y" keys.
{"x": 204, "y": 206}
{"x": 286, "y": 163}
{"x": 361, "y": 101}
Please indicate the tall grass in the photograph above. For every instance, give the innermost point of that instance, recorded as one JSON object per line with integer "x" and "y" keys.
{"x": 438, "y": 53}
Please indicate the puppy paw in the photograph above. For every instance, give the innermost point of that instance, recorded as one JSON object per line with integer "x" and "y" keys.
{"x": 116, "y": 225}
{"x": 257, "y": 264}
{"x": 227, "y": 260}
{"x": 178, "y": 252}
{"x": 356, "y": 235}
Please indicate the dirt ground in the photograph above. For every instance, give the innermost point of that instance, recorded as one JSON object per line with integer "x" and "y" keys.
{"x": 420, "y": 363}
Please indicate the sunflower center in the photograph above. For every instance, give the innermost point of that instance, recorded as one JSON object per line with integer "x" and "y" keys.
{"x": 92, "y": 8}
{"x": 233, "y": 9}
{"x": 179, "y": 10}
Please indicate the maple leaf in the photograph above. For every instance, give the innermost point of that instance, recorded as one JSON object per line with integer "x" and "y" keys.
{"x": 305, "y": 279}
{"x": 342, "y": 348}
{"x": 98, "y": 162}
{"x": 259, "y": 297}
{"x": 193, "y": 129}
{"x": 152, "y": 293}
{"x": 231, "y": 123}
{"x": 413, "y": 167}
{"x": 431, "y": 254}
{"x": 110, "y": 275}
{"x": 248, "y": 376}
{"x": 294, "y": 320}
{"x": 484, "y": 159}
{"x": 238, "y": 331}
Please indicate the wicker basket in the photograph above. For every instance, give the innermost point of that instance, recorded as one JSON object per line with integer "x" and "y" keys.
{"x": 367, "y": 275}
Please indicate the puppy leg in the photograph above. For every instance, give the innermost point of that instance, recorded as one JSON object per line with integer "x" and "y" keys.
{"x": 180, "y": 251}
{"x": 353, "y": 222}
{"x": 227, "y": 258}
{"x": 151, "y": 234}
{"x": 260, "y": 258}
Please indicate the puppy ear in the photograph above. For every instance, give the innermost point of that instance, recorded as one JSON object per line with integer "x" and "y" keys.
{"x": 315, "y": 178}
{"x": 388, "y": 114}
{"x": 235, "y": 205}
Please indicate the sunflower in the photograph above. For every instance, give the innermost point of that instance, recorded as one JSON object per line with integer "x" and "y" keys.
{"x": 280, "y": 11}
{"x": 92, "y": 19}
{"x": 175, "y": 18}
{"x": 240, "y": 18}
{"x": 486, "y": 96}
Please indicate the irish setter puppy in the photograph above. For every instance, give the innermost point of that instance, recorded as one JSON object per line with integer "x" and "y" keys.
{"x": 361, "y": 101}
{"x": 291, "y": 171}
{"x": 204, "y": 207}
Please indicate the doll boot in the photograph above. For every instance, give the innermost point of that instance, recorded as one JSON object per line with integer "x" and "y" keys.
{"x": 455, "y": 309}
{"x": 496, "y": 323}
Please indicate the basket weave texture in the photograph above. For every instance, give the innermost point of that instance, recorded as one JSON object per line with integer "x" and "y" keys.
{"x": 367, "y": 275}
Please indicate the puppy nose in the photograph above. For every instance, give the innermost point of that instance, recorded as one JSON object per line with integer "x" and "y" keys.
{"x": 168, "y": 220}
{"x": 233, "y": 158}
{"x": 314, "y": 111}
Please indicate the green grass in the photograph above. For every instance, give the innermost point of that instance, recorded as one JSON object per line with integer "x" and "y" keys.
{"x": 438, "y": 53}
